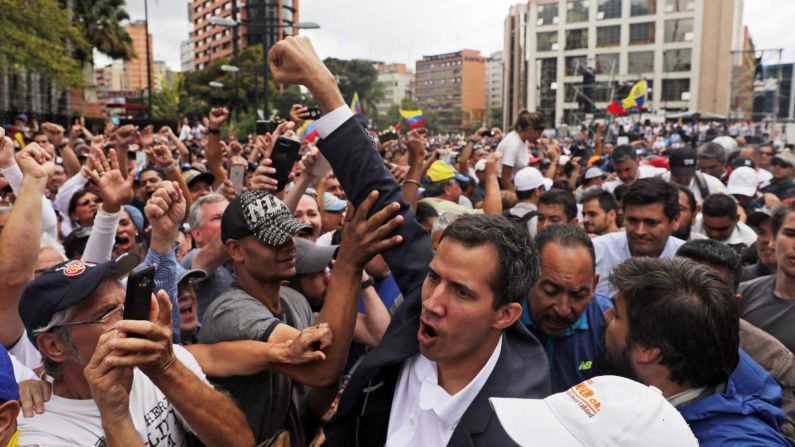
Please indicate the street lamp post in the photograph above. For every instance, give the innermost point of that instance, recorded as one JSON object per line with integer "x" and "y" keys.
{"x": 236, "y": 71}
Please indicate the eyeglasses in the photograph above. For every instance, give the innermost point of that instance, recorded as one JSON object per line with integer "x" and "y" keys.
{"x": 85, "y": 202}
{"x": 103, "y": 320}
{"x": 781, "y": 163}
{"x": 767, "y": 154}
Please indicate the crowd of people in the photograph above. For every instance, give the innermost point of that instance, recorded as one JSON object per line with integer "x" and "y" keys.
{"x": 626, "y": 284}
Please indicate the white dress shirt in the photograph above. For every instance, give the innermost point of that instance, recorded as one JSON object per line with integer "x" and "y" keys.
{"x": 423, "y": 414}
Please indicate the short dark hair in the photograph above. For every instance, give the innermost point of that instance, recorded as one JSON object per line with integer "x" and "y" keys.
{"x": 708, "y": 251}
{"x": 517, "y": 257}
{"x": 719, "y": 205}
{"x": 712, "y": 151}
{"x": 647, "y": 191}
{"x": 560, "y": 197}
{"x": 606, "y": 200}
{"x": 565, "y": 235}
{"x": 526, "y": 194}
{"x": 691, "y": 198}
{"x": 684, "y": 309}
{"x": 779, "y": 215}
{"x": 75, "y": 198}
{"x": 434, "y": 189}
{"x": 622, "y": 153}
{"x": 425, "y": 211}
{"x": 159, "y": 171}
{"x": 619, "y": 192}
{"x": 526, "y": 120}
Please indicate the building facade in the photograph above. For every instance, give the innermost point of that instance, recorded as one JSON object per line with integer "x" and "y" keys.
{"x": 258, "y": 21}
{"x": 135, "y": 70}
{"x": 682, "y": 48}
{"x": 774, "y": 97}
{"x": 514, "y": 93}
{"x": 186, "y": 55}
{"x": 494, "y": 77}
{"x": 453, "y": 85}
{"x": 397, "y": 84}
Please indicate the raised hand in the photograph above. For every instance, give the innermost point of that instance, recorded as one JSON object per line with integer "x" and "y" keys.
{"x": 148, "y": 136}
{"x": 416, "y": 146}
{"x": 305, "y": 347}
{"x": 263, "y": 177}
{"x": 114, "y": 187}
{"x": 54, "y": 132}
{"x": 110, "y": 385}
{"x": 217, "y": 117}
{"x": 6, "y": 150}
{"x": 294, "y": 61}
{"x": 161, "y": 155}
{"x": 165, "y": 211}
{"x": 493, "y": 164}
{"x": 363, "y": 237}
{"x": 125, "y": 135}
{"x": 33, "y": 160}
{"x": 298, "y": 114}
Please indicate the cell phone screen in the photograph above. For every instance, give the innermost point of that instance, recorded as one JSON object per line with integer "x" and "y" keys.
{"x": 284, "y": 155}
{"x": 140, "y": 285}
{"x": 264, "y": 127}
{"x": 387, "y": 136}
{"x": 237, "y": 174}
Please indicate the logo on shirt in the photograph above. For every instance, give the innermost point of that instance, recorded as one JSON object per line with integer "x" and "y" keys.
{"x": 585, "y": 365}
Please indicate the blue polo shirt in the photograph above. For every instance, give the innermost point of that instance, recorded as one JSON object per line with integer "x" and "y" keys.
{"x": 578, "y": 353}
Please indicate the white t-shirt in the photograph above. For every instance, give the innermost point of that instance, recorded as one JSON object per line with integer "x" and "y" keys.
{"x": 25, "y": 352}
{"x": 644, "y": 171}
{"x": 423, "y": 414}
{"x": 72, "y": 422}
{"x": 714, "y": 186}
{"x": 514, "y": 151}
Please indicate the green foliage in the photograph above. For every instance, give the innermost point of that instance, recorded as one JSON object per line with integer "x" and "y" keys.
{"x": 357, "y": 76}
{"x": 495, "y": 117}
{"x": 165, "y": 103}
{"x": 38, "y": 35}
{"x": 100, "y": 21}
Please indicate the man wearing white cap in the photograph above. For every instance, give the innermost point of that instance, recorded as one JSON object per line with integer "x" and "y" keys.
{"x": 529, "y": 184}
{"x": 602, "y": 411}
{"x": 594, "y": 177}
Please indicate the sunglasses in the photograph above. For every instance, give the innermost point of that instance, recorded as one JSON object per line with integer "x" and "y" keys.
{"x": 84, "y": 202}
{"x": 767, "y": 154}
{"x": 780, "y": 163}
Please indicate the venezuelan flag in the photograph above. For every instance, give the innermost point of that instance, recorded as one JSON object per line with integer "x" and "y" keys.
{"x": 356, "y": 106}
{"x": 632, "y": 103}
{"x": 415, "y": 118}
{"x": 307, "y": 131}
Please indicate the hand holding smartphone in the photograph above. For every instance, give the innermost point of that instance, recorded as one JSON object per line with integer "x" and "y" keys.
{"x": 285, "y": 154}
{"x": 140, "y": 286}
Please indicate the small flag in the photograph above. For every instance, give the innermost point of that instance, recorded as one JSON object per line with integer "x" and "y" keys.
{"x": 415, "y": 118}
{"x": 356, "y": 106}
{"x": 307, "y": 132}
{"x": 398, "y": 126}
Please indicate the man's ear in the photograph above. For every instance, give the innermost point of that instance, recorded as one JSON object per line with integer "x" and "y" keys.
{"x": 611, "y": 216}
{"x": 8, "y": 416}
{"x": 235, "y": 250}
{"x": 507, "y": 314}
{"x": 51, "y": 346}
{"x": 644, "y": 355}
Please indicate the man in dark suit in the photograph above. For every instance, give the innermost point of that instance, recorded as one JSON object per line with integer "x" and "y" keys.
{"x": 456, "y": 340}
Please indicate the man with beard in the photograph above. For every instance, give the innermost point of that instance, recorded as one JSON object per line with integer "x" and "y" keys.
{"x": 563, "y": 311}
{"x": 599, "y": 212}
{"x": 456, "y": 340}
{"x": 661, "y": 308}
{"x": 651, "y": 209}
{"x": 764, "y": 246}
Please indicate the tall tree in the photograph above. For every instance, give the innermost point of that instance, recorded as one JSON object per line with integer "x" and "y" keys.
{"x": 101, "y": 23}
{"x": 38, "y": 35}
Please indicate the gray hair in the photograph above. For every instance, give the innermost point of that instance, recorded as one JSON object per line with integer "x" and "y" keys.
{"x": 49, "y": 242}
{"x": 52, "y": 368}
{"x": 196, "y": 214}
{"x": 712, "y": 151}
{"x": 444, "y": 220}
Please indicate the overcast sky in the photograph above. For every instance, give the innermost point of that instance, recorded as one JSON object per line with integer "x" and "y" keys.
{"x": 403, "y": 31}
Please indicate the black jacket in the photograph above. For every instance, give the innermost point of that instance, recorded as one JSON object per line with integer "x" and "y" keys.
{"x": 362, "y": 417}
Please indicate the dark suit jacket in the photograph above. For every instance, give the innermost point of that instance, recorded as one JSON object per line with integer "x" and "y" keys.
{"x": 362, "y": 416}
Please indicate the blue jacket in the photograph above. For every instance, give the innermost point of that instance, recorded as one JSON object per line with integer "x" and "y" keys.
{"x": 747, "y": 413}
{"x": 577, "y": 354}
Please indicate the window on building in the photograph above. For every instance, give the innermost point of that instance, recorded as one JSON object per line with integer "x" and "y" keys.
{"x": 547, "y": 41}
{"x": 547, "y": 76}
{"x": 574, "y": 65}
{"x": 642, "y": 7}
{"x": 641, "y": 33}
{"x": 547, "y": 14}
{"x": 640, "y": 62}
{"x": 608, "y": 36}
{"x": 577, "y": 11}
{"x": 679, "y": 5}
{"x": 606, "y": 62}
{"x": 576, "y": 38}
{"x": 608, "y": 9}
{"x": 676, "y": 90}
{"x": 679, "y": 30}
{"x": 676, "y": 60}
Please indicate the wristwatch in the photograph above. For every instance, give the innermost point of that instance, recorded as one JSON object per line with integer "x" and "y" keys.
{"x": 171, "y": 168}
{"x": 213, "y": 131}
{"x": 369, "y": 282}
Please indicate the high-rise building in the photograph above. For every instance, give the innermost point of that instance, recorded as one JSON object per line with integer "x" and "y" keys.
{"x": 258, "y": 20}
{"x": 494, "y": 76}
{"x": 135, "y": 70}
{"x": 111, "y": 77}
{"x": 398, "y": 83}
{"x": 454, "y": 86}
{"x": 186, "y": 55}
{"x": 682, "y": 48}
{"x": 773, "y": 96}
{"x": 514, "y": 93}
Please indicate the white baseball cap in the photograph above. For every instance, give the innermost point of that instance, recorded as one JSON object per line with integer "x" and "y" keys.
{"x": 603, "y": 411}
{"x": 530, "y": 178}
{"x": 594, "y": 172}
{"x": 743, "y": 181}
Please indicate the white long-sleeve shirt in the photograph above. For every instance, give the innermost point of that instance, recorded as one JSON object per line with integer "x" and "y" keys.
{"x": 49, "y": 221}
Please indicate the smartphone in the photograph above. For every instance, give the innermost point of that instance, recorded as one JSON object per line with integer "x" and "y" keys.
{"x": 284, "y": 155}
{"x": 264, "y": 127}
{"x": 314, "y": 112}
{"x": 237, "y": 173}
{"x": 140, "y": 158}
{"x": 140, "y": 285}
{"x": 487, "y": 133}
{"x": 387, "y": 136}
